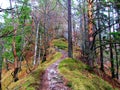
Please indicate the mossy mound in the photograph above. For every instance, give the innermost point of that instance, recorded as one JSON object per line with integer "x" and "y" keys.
{"x": 79, "y": 78}
{"x": 60, "y": 43}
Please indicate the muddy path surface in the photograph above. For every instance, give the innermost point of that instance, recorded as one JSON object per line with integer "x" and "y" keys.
{"x": 52, "y": 80}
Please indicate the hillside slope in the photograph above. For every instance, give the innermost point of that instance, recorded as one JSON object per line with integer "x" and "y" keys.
{"x": 76, "y": 74}
{"x": 79, "y": 78}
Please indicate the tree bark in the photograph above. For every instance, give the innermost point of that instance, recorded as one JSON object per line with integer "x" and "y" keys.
{"x": 36, "y": 44}
{"x": 90, "y": 32}
{"x": 100, "y": 39}
{"x": 1, "y": 60}
{"x": 116, "y": 53}
{"x": 16, "y": 59}
{"x": 111, "y": 50}
{"x": 70, "y": 47}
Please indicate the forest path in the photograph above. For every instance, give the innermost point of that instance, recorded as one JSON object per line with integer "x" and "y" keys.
{"x": 52, "y": 80}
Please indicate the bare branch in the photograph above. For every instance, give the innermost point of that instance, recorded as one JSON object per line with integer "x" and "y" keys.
{"x": 8, "y": 9}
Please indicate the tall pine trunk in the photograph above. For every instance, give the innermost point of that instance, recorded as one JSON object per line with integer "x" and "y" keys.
{"x": 116, "y": 53}
{"x": 70, "y": 47}
{"x": 110, "y": 47}
{"x": 90, "y": 33}
{"x": 100, "y": 38}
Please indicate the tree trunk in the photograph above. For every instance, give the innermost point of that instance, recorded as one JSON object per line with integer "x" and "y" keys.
{"x": 45, "y": 32}
{"x": 70, "y": 48}
{"x": 85, "y": 34}
{"x": 117, "y": 62}
{"x": 74, "y": 34}
{"x": 45, "y": 42}
{"x": 16, "y": 59}
{"x": 1, "y": 60}
{"x": 100, "y": 39}
{"x": 116, "y": 54}
{"x": 111, "y": 50}
{"x": 101, "y": 54}
{"x": 90, "y": 32}
{"x": 0, "y": 80}
{"x": 39, "y": 51}
{"x": 36, "y": 44}
{"x": 112, "y": 61}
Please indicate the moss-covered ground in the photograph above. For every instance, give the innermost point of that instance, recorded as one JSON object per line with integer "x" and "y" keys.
{"x": 30, "y": 81}
{"x": 60, "y": 43}
{"x": 79, "y": 78}
{"x": 75, "y": 73}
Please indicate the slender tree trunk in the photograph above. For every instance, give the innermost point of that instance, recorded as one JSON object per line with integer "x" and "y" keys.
{"x": 74, "y": 34}
{"x": 16, "y": 59}
{"x": 45, "y": 42}
{"x": 117, "y": 58}
{"x": 101, "y": 54}
{"x": 112, "y": 61}
{"x": 90, "y": 32}
{"x": 39, "y": 48}
{"x": 111, "y": 50}
{"x": 116, "y": 54}
{"x": 70, "y": 48}
{"x": 39, "y": 56}
{"x": 100, "y": 39}
{"x": 45, "y": 33}
{"x": 85, "y": 34}
{"x": 0, "y": 80}
{"x": 22, "y": 45}
{"x": 36, "y": 44}
{"x": 1, "y": 60}
{"x": 117, "y": 62}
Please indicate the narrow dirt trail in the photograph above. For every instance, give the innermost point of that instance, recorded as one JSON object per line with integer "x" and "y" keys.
{"x": 52, "y": 80}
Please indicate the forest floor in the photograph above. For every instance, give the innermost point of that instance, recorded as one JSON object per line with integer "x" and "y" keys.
{"x": 58, "y": 73}
{"x": 52, "y": 80}
{"x": 71, "y": 74}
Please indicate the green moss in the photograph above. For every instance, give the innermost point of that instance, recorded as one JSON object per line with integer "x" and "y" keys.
{"x": 60, "y": 43}
{"x": 32, "y": 80}
{"x": 79, "y": 78}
